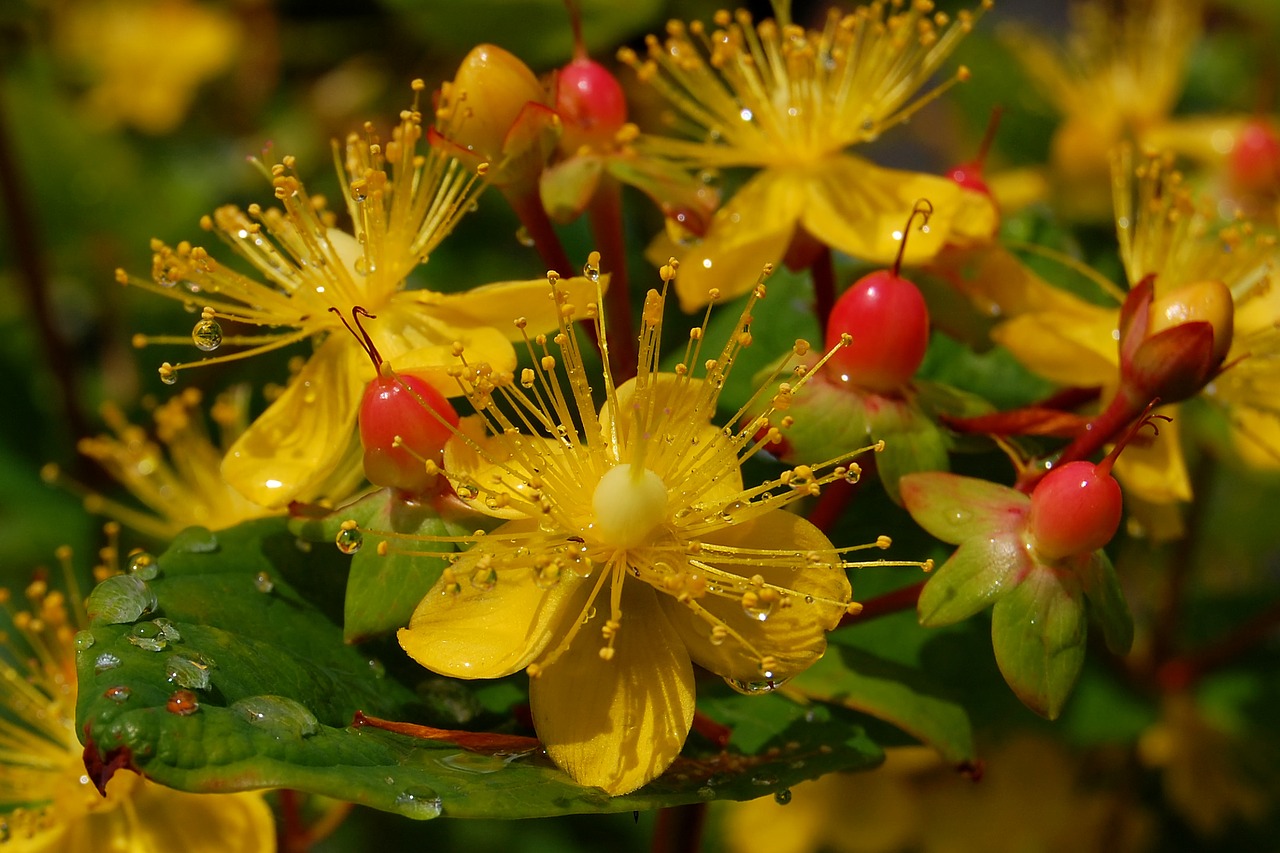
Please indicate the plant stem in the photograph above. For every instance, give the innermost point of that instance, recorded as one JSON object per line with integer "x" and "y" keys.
{"x": 1103, "y": 429}
{"x": 608, "y": 229}
{"x": 528, "y": 207}
{"x": 35, "y": 282}
{"x": 823, "y": 269}
{"x": 679, "y": 829}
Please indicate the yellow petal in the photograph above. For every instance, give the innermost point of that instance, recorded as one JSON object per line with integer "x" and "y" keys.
{"x": 165, "y": 819}
{"x": 1156, "y": 471}
{"x": 305, "y": 434}
{"x": 795, "y": 632}
{"x": 1077, "y": 348}
{"x": 617, "y": 724}
{"x": 1015, "y": 189}
{"x": 478, "y": 633}
{"x": 752, "y": 229}
{"x": 1257, "y": 436}
{"x": 1209, "y": 139}
{"x": 500, "y": 304}
{"x": 857, "y": 207}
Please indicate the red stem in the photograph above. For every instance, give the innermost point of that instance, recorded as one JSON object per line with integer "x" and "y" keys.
{"x": 679, "y": 829}
{"x": 835, "y": 496}
{"x": 823, "y": 270}
{"x": 533, "y": 216}
{"x": 1103, "y": 429}
{"x": 292, "y": 836}
{"x": 1180, "y": 672}
{"x": 607, "y": 228}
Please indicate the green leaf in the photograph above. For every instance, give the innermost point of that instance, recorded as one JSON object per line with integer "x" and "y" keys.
{"x": 273, "y": 689}
{"x": 954, "y": 508}
{"x": 1107, "y": 605}
{"x": 900, "y": 695}
{"x": 1038, "y": 631}
{"x": 382, "y": 591}
{"x": 977, "y": 575}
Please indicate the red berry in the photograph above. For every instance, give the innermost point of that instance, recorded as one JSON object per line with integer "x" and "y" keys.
{"x": 1075, "y": 509}
{"x": 1254, "y": 162}
{"x": 389, "y": 409}
{"x": 887, "y": 319}
{"x": 591, "y": 103}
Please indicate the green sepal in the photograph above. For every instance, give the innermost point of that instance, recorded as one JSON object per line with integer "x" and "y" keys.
{"x": 382, "y": 591}
{"x": 980, "y": 571}
{"x": 1107, "y": 605}
{"x": 954, "y": 508}
{"x": 1038, "y": 631}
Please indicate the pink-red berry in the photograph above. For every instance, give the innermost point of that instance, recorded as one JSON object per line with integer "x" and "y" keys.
{"x": 888, "y": 322}
{"x": 1075, "y": 509}
{"x": 591, "y": 104}
{"x": 403, "y": 407}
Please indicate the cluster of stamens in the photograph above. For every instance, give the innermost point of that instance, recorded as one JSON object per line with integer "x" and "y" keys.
{"x": 640, "y": 490}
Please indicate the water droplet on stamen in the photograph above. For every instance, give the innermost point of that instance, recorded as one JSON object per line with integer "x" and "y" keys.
{"x": 484, "y": 578}
{"x": 349, "y": 540}
{"x": 169, "y": 377}
{"x": 207, "y": 334}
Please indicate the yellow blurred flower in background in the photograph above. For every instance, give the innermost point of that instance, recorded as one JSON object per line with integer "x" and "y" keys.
{"x": 144, "y": 60}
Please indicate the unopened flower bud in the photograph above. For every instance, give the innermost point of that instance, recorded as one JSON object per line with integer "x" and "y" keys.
{"x": 1203, "y": 301}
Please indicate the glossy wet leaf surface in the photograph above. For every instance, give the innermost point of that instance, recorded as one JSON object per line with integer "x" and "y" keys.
{"x": 282, "y": 689}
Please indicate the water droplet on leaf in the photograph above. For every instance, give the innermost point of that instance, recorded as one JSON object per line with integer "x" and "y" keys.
{"x": 118, "y": 694}
{"x": 419, "y": 803}
{"x": 143, "y": 565}
{"x": 282, "y": 716}
{"x": 84, "y": 640}
{"x": 120, "y": 599}
{"x": 262, "y": 582}
{"x": 183, "y": 703}
{"x": 105, "y": 661}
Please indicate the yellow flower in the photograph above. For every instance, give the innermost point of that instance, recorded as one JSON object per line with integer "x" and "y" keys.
{"x": 144, "y": 58}
{"x": 1164, "y": 231}
{"x": 403, "y": 202}
{"x": 1116, "y": 78}
{"x": 47, "y": 801}
{"x": 789, "y": 101}
{"x": 631, "y": 550}
{"x": 177, "y": 475}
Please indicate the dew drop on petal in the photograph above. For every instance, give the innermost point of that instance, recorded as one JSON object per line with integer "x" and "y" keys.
{"x": 207, "y": 335}
{"x": 183, "y": 703}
